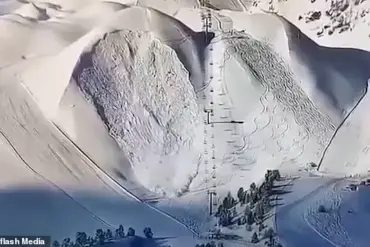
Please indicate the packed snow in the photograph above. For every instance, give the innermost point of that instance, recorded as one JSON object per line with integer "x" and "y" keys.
{"x": 133, "y": 112}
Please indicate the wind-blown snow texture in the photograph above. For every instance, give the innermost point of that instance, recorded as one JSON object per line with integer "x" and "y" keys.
{"x": 146, "y": 102}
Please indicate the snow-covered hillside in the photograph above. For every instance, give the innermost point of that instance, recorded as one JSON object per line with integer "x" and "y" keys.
{"x": 108, "y": 106}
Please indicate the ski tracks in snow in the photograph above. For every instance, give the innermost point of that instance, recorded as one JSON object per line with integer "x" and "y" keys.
{"x": 328, "y": 224}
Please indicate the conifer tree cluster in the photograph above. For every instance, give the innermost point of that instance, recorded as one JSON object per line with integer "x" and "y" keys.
{"x": 101, "y": 237}
{"x": 257, "y": 203}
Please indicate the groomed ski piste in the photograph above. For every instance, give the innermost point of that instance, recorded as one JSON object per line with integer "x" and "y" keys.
{"x": 135, "y": 112}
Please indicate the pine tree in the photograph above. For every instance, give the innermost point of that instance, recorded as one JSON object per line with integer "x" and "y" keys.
{"x": 131, "y": 232}
{"x": 254, "y": 238}
{"x": 81, "y": 239}
{"x": 261, "y": 227}
{"x": 247, "y": 197}
{"x": 276, "y": 174}
{"x": 253, "y": 186}
{"x": 109, "y": 234}
{"x": 66, "y": 242}
{"x": 56, "y": 244}
{"x": 228, "y": 201}
{"x": 148, "y": 232}
{"x": 240, "y": 194}
{"x": 120, "y": 232}
{"x": 259, "y": 211}
{"x": 250, "y": 218}
{"x": 220, "y": 209}
{"x": 100, "y": 236}
{"x": 90, "y": 241}
{"x": 269, "y": 233}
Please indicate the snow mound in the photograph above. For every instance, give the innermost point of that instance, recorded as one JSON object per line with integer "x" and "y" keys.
{"x": 142, "y": 93}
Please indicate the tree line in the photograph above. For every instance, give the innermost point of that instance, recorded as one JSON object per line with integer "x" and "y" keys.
{"x": 101, "y": 237}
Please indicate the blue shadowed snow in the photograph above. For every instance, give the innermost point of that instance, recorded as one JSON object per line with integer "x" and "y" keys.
{"x": 291, "y": 225}
{"x": 356, "y": 222}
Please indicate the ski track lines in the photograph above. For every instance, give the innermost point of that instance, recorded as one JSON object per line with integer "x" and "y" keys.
{"x": 26, "y": 112}
{"x": 37, "y": 174}
{"x": 127, "y": 192}
{"x": 331, "y": 228}
{"x": 297, "y": 203}
{"x": 282, "y": 85}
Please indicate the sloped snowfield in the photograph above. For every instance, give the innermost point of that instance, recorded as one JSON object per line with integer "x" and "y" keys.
{"x": 147, "y": 103}
{"x": 110, "y": 106}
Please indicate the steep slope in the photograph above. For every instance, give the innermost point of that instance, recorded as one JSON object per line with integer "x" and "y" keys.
{"x": 154, "y": 121}
{"x": 70, "y": 120}
{"x": 338, "y": 75}
{"x": 348, "y": 153}
{"x": 53, "y": 168}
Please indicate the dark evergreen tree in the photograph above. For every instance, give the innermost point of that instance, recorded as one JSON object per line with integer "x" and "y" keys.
{"x": 56, "y": 244}
{"x": 81, "y": 239}
{"x": 213, "y": 244}
{"x": 220, "y": 244}
{"x": 208, "y": 245}
{"x": 220, "y": 210}
{"x": 250, "y": 218}
{"x": 240, "y": 195}
{"x": 242, "y": 220}
{"x": 276, "y": 174}
{"x": 66, "y": 242}
{"x": 148, "y": 232}
{"x": 269, "y": 184}
{"x": 247, "y": 197}
{"x": 259, "y": 211}
{"x": 228, "y": 201}
{"x": 266, "y": 203}
{"x": 270, "y": 235}
{"x": 254, "y": 238}
{"x": 100, "y": 236}
{"x": 254, "y": 197}
{"x": 252, "y": 186}
{"x": 261, "y": 227}
{"x": 247, "y": 210}
{"x": 225, "y": 219}
{"x": 90, "y": 241}
{"x": 268, "y": 174}
{"x": 131, "y": 232}
{"x": 109, "y": 234}
{"x": 120, "y": 232}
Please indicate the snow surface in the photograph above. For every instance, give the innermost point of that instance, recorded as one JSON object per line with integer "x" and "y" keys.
{"x": 104, "y": 110}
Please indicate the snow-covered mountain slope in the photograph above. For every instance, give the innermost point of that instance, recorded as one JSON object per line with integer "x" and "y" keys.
{"x": 144, "y": 97}
{"x": 56, "y": 178}
{"x": 108, "y": 103}
{"x": 353, "y": 158}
